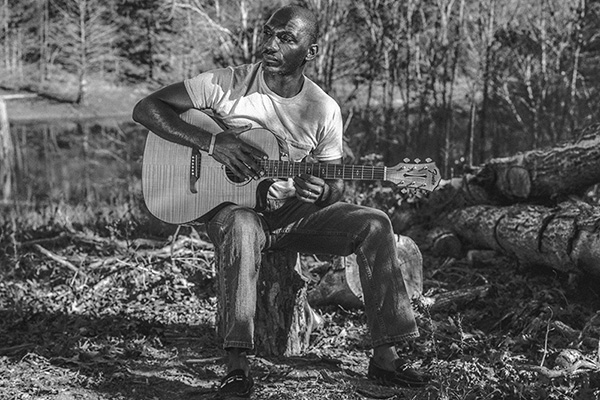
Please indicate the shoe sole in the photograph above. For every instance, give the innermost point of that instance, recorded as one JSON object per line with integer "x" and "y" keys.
{"x": 404, "y": 384}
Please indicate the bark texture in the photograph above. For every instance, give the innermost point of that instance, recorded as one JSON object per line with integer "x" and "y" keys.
{"x": 283, "y": 320}
{"x": 528, "y": 205}
{"x": 565, "y": 237}
{"x": 543, "y": 175}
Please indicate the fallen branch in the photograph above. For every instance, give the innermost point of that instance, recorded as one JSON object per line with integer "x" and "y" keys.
{"x": 59, "y": 259}
{"x": 6, "y": 351}
{"x": 458, "y": 297}
{"x": 578, "y": 368}
{"x": 52, "y": 240}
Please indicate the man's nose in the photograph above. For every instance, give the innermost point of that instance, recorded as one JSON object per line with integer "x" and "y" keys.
{"x": 271, "y": 43}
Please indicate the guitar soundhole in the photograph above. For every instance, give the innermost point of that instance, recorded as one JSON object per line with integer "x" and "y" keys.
{"x": 233, "y": 178}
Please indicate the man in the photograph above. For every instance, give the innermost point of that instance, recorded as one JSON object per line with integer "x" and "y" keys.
{"x": 302, "y": 214}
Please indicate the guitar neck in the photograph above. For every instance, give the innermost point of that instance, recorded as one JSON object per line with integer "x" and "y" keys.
{"x": 289, "y": 169}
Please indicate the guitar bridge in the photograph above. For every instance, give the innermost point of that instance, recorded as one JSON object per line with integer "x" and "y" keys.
{"x": 194, "y": 170}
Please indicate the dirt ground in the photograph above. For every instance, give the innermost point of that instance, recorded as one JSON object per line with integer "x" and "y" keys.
{"x": 90, "y": 317}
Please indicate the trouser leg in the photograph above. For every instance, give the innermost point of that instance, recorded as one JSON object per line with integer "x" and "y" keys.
{"x": 342, "y": 229}
{"x": 238, "y": 236}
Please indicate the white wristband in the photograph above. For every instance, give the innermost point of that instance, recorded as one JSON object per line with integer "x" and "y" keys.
{"x": 211, "y": 146}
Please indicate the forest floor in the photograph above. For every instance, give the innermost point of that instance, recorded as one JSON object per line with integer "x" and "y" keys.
{"x": 92, "y": 313}
{"x": 102, "y": 309}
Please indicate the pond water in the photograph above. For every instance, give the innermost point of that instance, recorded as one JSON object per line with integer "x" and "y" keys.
{"x": 99, "y": 161}
{"x": 77, "y": 161}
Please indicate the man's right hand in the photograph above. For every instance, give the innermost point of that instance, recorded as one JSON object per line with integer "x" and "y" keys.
{"x": 240, "y": 157}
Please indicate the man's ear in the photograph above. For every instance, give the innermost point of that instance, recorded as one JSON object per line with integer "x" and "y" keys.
{"x": 313, "y": 50}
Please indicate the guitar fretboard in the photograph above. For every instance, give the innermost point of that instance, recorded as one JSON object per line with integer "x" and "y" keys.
{"x": 289, "y": 169}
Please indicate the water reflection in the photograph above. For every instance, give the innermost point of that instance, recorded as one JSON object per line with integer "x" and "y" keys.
{"x": 94, "y": 162}
{"x": 76, "y": 162}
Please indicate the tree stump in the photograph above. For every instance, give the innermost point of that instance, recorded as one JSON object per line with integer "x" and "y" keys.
{"x": 284, "y": 320}
{"x": 282, "y": 323}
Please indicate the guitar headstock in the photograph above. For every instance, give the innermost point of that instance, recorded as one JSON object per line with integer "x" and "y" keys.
{"x": 415, "y": 175}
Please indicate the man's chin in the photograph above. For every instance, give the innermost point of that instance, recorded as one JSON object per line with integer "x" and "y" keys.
{"x": 271, "y": 67}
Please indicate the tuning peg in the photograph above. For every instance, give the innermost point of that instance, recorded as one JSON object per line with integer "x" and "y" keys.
{"x": 406, "y": 160}
{"x": 417, "y": 160}
{"x": 428, "y": 160}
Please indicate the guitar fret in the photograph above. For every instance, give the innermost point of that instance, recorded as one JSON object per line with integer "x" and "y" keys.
{"x": 288, "y": 169}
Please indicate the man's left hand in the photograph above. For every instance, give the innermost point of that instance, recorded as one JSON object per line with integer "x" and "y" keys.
{"x": 309, "y": 188}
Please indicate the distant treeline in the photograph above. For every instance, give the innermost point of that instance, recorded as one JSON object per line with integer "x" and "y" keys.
{"x": 473, "y": 75}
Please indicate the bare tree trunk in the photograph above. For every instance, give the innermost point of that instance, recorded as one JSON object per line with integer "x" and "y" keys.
{"x": 81, "y": 98}
{"x": 486, "y": 81}
{"x": 576, "y": 59}
{"x": 6, "y": 154}
{"x": 471, "y": 134}
{"x": 407, "y": 71}
{"x": 44, "y": 53}
{"x": 6, "y": 34}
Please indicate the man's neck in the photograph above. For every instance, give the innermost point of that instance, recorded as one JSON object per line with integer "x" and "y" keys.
{"x": 284, "y": 85}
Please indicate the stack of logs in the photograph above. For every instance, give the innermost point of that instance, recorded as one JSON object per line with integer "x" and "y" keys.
{"x": 530, "y": 206}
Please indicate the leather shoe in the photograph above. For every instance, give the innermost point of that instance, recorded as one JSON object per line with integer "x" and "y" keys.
{"x": 237, "y": 384}
{"x": 404, "y": 375}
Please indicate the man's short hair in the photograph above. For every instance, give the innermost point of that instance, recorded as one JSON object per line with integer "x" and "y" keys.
{"x": 309, "y": 18}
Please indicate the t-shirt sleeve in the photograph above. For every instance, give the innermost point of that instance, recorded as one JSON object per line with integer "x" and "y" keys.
{"x": 330, "y": 146}
{"x": 207, "y": 89}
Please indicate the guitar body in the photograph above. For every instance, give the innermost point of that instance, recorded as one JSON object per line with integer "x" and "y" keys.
{"x": 177, "y": 192}
{"x": 181, "y": 185}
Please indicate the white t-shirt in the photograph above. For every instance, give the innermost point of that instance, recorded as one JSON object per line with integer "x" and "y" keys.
{"x": 310, "y": 122}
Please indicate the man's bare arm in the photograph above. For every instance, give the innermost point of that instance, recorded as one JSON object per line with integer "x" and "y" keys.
{"x": 159, "y": 112}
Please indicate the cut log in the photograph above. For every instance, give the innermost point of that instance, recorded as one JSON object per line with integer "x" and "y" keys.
{"x": 543, "y": 175}
{"x": 566, "y": 237}
{"x": 442, "y": 242}
{"x": 450, "y": 195}
{"x": 334, "y": 287}
{"x": 341, "y": 284}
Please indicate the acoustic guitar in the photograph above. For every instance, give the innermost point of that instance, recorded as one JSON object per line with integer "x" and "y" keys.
{"x": 181, "y": 184}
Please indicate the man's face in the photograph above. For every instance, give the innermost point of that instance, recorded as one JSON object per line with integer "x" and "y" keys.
{"x": 285, "y": 45}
